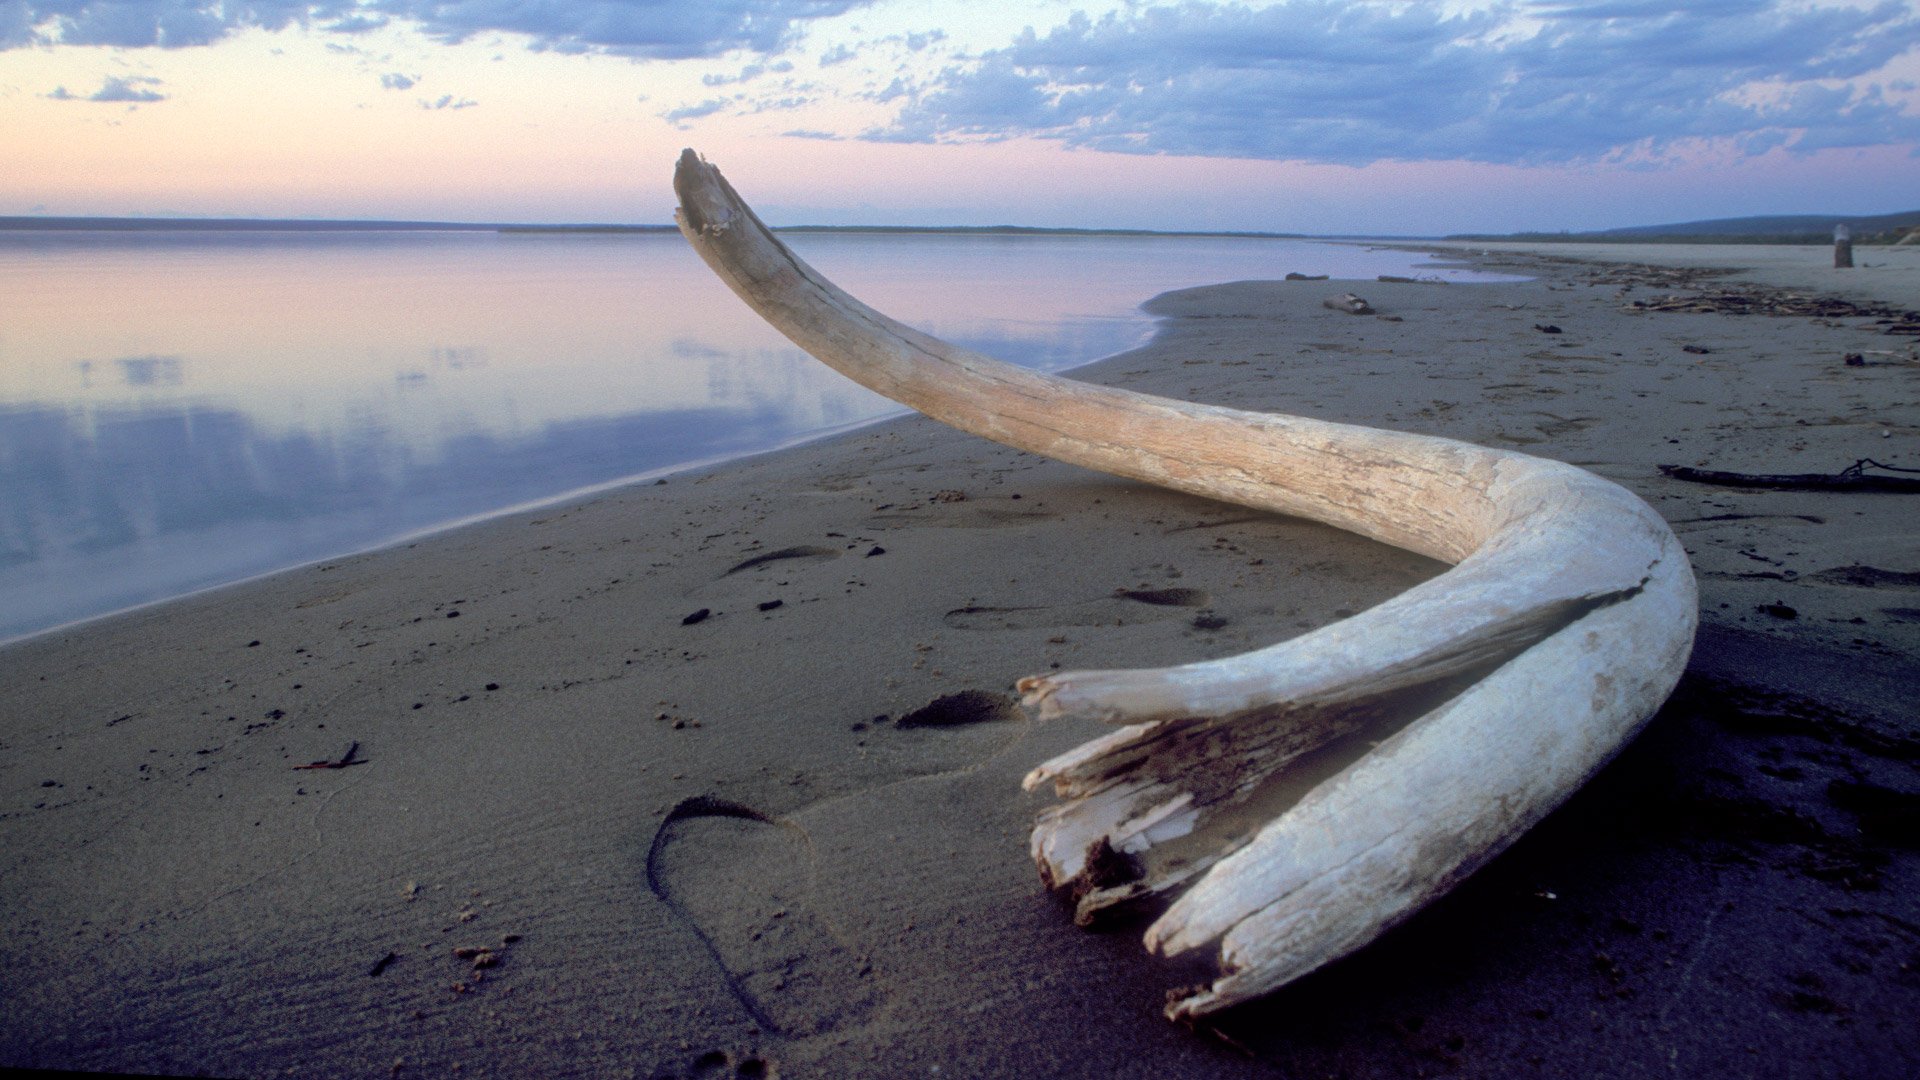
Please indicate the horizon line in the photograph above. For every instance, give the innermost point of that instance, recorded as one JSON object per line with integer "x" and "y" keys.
{"x": 1755, "y": 229}
{"x": 135, "y": 223}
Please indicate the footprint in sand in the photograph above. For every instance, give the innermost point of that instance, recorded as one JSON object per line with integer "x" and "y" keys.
{"x": 1555, "y": 425}
{"x": 953, "y": 733}
{"x": 720, "y": 1065}
{"x": 961, "y": 710}
{"x": 743, "y": 880}
{"x": 804, "y": 551}
{"x": 967, "y": 516}
{"x": 1124, "y": 606}
{"x": 1867, "y": 577}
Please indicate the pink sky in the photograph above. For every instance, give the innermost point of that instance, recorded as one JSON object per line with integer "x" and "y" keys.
{"x": 1290, "y": 116}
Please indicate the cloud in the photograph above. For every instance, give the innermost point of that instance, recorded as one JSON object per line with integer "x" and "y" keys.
{"x": 912, "y": 42}
{"x": 748, "y": 73}
{"x": 685, "y": 113}
{"x": 16, "y": 26}
{"x": 639, "y": 28}
{"x": 357, "y": 24}
{"x": 791, "y": 101}
{"x": 1353, "y": 83}
{"x": 393, "y": 80}
{"x": 129, "y": 89}
{"x": 447, "y": 101}
{"x": 166, "y": 23}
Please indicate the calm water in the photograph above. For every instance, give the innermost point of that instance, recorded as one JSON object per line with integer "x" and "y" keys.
{"x": 182, "y": 410}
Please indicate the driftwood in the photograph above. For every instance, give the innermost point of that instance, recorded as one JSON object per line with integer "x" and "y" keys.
{"x": 1757, "y": 301}
{"x": 1512, "y": 677}
{"x": 1852, "y": 478}
{"x": 1349, "y": 303}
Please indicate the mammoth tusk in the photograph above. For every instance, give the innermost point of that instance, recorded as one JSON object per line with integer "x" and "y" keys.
{"x": 1564, "y": 622}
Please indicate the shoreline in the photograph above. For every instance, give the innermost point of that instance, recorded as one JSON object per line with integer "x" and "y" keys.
{"x": 193, "y": 550}
{"x": 574, "y": 830}
{"x": 429, "y": 532}
{"x": 1885, "y": 274}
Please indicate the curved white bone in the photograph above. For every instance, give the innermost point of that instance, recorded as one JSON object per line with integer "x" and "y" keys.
{"x": 1564, "y": 623}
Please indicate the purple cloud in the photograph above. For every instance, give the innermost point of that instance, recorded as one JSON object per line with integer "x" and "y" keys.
{"x": 1354, "y": 83}
{"x": 655, "y": 29}
{"x": 694, "y": 112}
{"x": 129, "y": 89}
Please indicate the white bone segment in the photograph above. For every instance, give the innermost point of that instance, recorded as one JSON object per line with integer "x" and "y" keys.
{"x": 1564, "y": 622}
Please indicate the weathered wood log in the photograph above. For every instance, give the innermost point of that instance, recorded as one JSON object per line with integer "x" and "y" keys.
{"x": 1349, "y": 303}
{"x": 1854, "y": 477}
{"x": 1564, "y": 623}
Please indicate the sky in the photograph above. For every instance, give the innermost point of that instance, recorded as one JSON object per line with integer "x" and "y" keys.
{"x": 1378, "y": 117}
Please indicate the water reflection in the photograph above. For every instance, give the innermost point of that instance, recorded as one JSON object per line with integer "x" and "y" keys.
{"x": 180, "y": 411}
{"x": 125, "y": 506}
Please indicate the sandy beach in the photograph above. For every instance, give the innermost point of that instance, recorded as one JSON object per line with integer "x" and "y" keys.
{"x": 719, "y": 776}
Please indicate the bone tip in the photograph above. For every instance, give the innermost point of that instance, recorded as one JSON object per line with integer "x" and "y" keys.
{"x": 1189, "y": 1004}
{"x": 1153, "y": 939}
{"x": 1089, "y": 909}
{"x": 688, "y": 171}
{"x": 1168, "y": 936}
{"x": 1037, "y": 696}
{"x": 1048, "y": 771}
{"x": 706, "y": 202}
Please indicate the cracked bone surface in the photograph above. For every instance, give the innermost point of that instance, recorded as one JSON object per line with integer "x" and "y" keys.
{"x": 1251, "y": 782}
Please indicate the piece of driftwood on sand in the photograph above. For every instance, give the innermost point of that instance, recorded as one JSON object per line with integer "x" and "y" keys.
{"x": 1564, "y": 622}
{"x": 1349, "y": 303}
{"x": 1854, "y": 477}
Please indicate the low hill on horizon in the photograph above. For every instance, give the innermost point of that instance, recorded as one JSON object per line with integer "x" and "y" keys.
{"x": 1771, "y": 229}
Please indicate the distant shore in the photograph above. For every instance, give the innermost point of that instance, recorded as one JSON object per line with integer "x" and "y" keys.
{"x": 322, "y": 225}
{"x": 719, "y": 776}
{"x": 1602, "y": 241}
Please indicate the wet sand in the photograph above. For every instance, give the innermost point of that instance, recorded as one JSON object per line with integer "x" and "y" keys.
{"x": 719, "y": 777}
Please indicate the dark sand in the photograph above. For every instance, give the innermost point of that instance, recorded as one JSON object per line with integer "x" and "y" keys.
{"x": 585, "y": 834}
